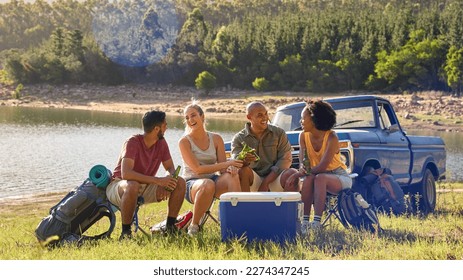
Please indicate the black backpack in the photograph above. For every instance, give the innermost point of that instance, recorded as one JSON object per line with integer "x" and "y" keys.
{"x": 74, "y": 214}
{"x": 386, "y": 193}
{"x": 356, "y": 212}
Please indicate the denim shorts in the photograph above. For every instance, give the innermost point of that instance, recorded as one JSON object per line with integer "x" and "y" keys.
{"x": 346, "y": 181}
{"x": 190, "y": 182}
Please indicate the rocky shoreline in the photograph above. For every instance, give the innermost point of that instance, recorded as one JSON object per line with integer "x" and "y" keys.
{"x": 431, "y": 110}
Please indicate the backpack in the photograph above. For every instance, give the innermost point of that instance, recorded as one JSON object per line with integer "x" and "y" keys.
{"x": 356, "y": 212}
{"x": 74, "y": 214}
{"x": 386, "y": 193}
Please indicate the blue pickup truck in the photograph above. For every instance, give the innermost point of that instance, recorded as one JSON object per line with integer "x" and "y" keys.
{"x": 371, "y": 137}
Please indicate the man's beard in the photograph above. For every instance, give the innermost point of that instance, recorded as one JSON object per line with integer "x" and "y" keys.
{"x": 160, "y": 135}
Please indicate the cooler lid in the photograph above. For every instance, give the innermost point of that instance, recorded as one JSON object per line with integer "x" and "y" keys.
{"x": 277, "y": 197}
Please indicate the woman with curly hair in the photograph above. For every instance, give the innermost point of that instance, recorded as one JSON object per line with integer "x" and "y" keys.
{"x": 327, "y": 172}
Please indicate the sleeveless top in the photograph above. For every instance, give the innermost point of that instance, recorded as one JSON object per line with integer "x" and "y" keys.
{"x": 315, "y": 157}
{"x": 204, "y": 157}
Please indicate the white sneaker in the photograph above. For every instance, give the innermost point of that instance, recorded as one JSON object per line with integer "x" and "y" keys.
{"x": 305, "y": 227}
{"x": 193, "y": 229}
{"x": 315, "y": 225}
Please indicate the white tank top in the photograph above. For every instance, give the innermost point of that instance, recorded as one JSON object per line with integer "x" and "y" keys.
{"x": 204, "y": 157}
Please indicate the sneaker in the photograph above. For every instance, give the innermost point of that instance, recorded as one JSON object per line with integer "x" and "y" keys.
{"x": 193, "y": 229}
{"x": 125, "y": 236}
{"x": 315, "y": 225}
{"x": 305, "y": 227}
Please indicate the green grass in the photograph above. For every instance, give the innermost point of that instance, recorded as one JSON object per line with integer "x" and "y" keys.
{"x": 436, "y": 237}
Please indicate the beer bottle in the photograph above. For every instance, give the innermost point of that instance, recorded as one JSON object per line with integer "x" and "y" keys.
{"x": 177, "y": 172}
{"x": 306, "y": 162}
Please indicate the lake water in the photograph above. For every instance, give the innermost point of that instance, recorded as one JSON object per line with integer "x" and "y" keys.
{"x": 49, "y": 150}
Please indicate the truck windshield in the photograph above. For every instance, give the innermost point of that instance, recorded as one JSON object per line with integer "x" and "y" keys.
{"x": 354, "y": 115}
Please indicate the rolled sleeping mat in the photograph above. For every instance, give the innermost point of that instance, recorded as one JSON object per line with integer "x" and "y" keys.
{"x": 100, "y": 176}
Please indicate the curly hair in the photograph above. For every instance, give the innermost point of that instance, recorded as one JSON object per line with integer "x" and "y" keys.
{"x": 322, "y": 114}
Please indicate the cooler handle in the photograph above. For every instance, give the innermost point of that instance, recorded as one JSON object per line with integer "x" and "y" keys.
{"x": 234, "y": 201}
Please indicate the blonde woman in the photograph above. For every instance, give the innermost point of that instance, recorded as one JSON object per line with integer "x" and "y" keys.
{"x": 206, "y": 169}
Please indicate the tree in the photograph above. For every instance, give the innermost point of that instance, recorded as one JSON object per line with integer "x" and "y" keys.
{"x": 292, "y": 74}
{"x": 57, "y": 39}
{"x": 454, "y": 69}
{"x": 416, "y": 64}
{"x": 205, "y": 81}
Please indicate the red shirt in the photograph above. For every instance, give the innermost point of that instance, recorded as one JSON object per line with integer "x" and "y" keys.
{"x": 147, "y": 160}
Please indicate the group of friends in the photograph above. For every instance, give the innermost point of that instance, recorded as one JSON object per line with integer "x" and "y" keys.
{"x": 207, "y": 173}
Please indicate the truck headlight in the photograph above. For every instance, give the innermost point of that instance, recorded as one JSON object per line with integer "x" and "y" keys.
{"x": 347, "y": 154}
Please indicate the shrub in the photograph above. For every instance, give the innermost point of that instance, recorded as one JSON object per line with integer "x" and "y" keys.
{"x": 205, "y": 81}
{"x": 260, "y": 84}
{"x": 17, "y": 92}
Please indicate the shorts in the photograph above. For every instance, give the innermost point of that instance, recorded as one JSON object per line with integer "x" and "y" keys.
{"x": 274, "y": 186}
{"x": 346, "y": 181}
{"x": 148, "y": 192}
{"x": 189, "y": 185}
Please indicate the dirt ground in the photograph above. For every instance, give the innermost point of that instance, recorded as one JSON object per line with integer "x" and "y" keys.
{"x": 425, "y": 110}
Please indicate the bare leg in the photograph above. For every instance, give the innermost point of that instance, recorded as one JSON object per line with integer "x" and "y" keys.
{"x": 307, "y": 194}
{"x": 324, "y": 183}
{"x": 284, "y": 177}
{"x": 176, "y": 198}
{"x": 246, "y": 178}
{"x": 202, "y": 194}
{"x": 227, "y": 183}
{"x": 129, "y": 196}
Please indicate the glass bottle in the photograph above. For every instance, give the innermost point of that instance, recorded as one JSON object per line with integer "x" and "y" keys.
{"x": 306, "y": 162}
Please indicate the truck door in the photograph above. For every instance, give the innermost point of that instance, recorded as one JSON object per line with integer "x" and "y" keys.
{"x": 394, "y": 142}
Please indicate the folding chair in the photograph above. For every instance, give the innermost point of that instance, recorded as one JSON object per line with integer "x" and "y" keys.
{"x": 331, "y": 205}
{"x": 208, "y": 215}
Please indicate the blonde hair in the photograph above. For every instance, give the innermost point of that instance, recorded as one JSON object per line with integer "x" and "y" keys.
{"x": 194, "y": 105}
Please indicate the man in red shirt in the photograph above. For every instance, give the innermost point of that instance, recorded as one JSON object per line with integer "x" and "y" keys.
{"x": 135, "y": 174}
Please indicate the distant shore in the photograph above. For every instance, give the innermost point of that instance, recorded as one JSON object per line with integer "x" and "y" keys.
{"x": 435, "y": 111}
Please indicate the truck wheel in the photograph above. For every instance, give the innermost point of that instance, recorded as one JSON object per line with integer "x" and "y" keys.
{"x": 427, "y": 194}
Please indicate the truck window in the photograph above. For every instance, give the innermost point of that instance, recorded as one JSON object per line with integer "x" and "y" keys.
{"x": 288, "y": 120}
{"x": 355, "y": 117}
{"x": 386, "y": 117}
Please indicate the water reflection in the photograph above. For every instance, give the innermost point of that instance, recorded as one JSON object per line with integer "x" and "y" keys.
{"x": 55, "y": 116}
{"x": 44, "y": 150}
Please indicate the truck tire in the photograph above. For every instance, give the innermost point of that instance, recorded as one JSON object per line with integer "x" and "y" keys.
{"x": 426, "y": 190}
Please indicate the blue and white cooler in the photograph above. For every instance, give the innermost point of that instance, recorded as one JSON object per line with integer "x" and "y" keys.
{"x": 260, "y": 216}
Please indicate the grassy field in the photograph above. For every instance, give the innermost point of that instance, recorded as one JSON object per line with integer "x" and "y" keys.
{"x": 436, "y": 237}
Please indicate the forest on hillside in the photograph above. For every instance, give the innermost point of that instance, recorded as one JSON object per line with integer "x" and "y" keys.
{"x": 297, "y": 45}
